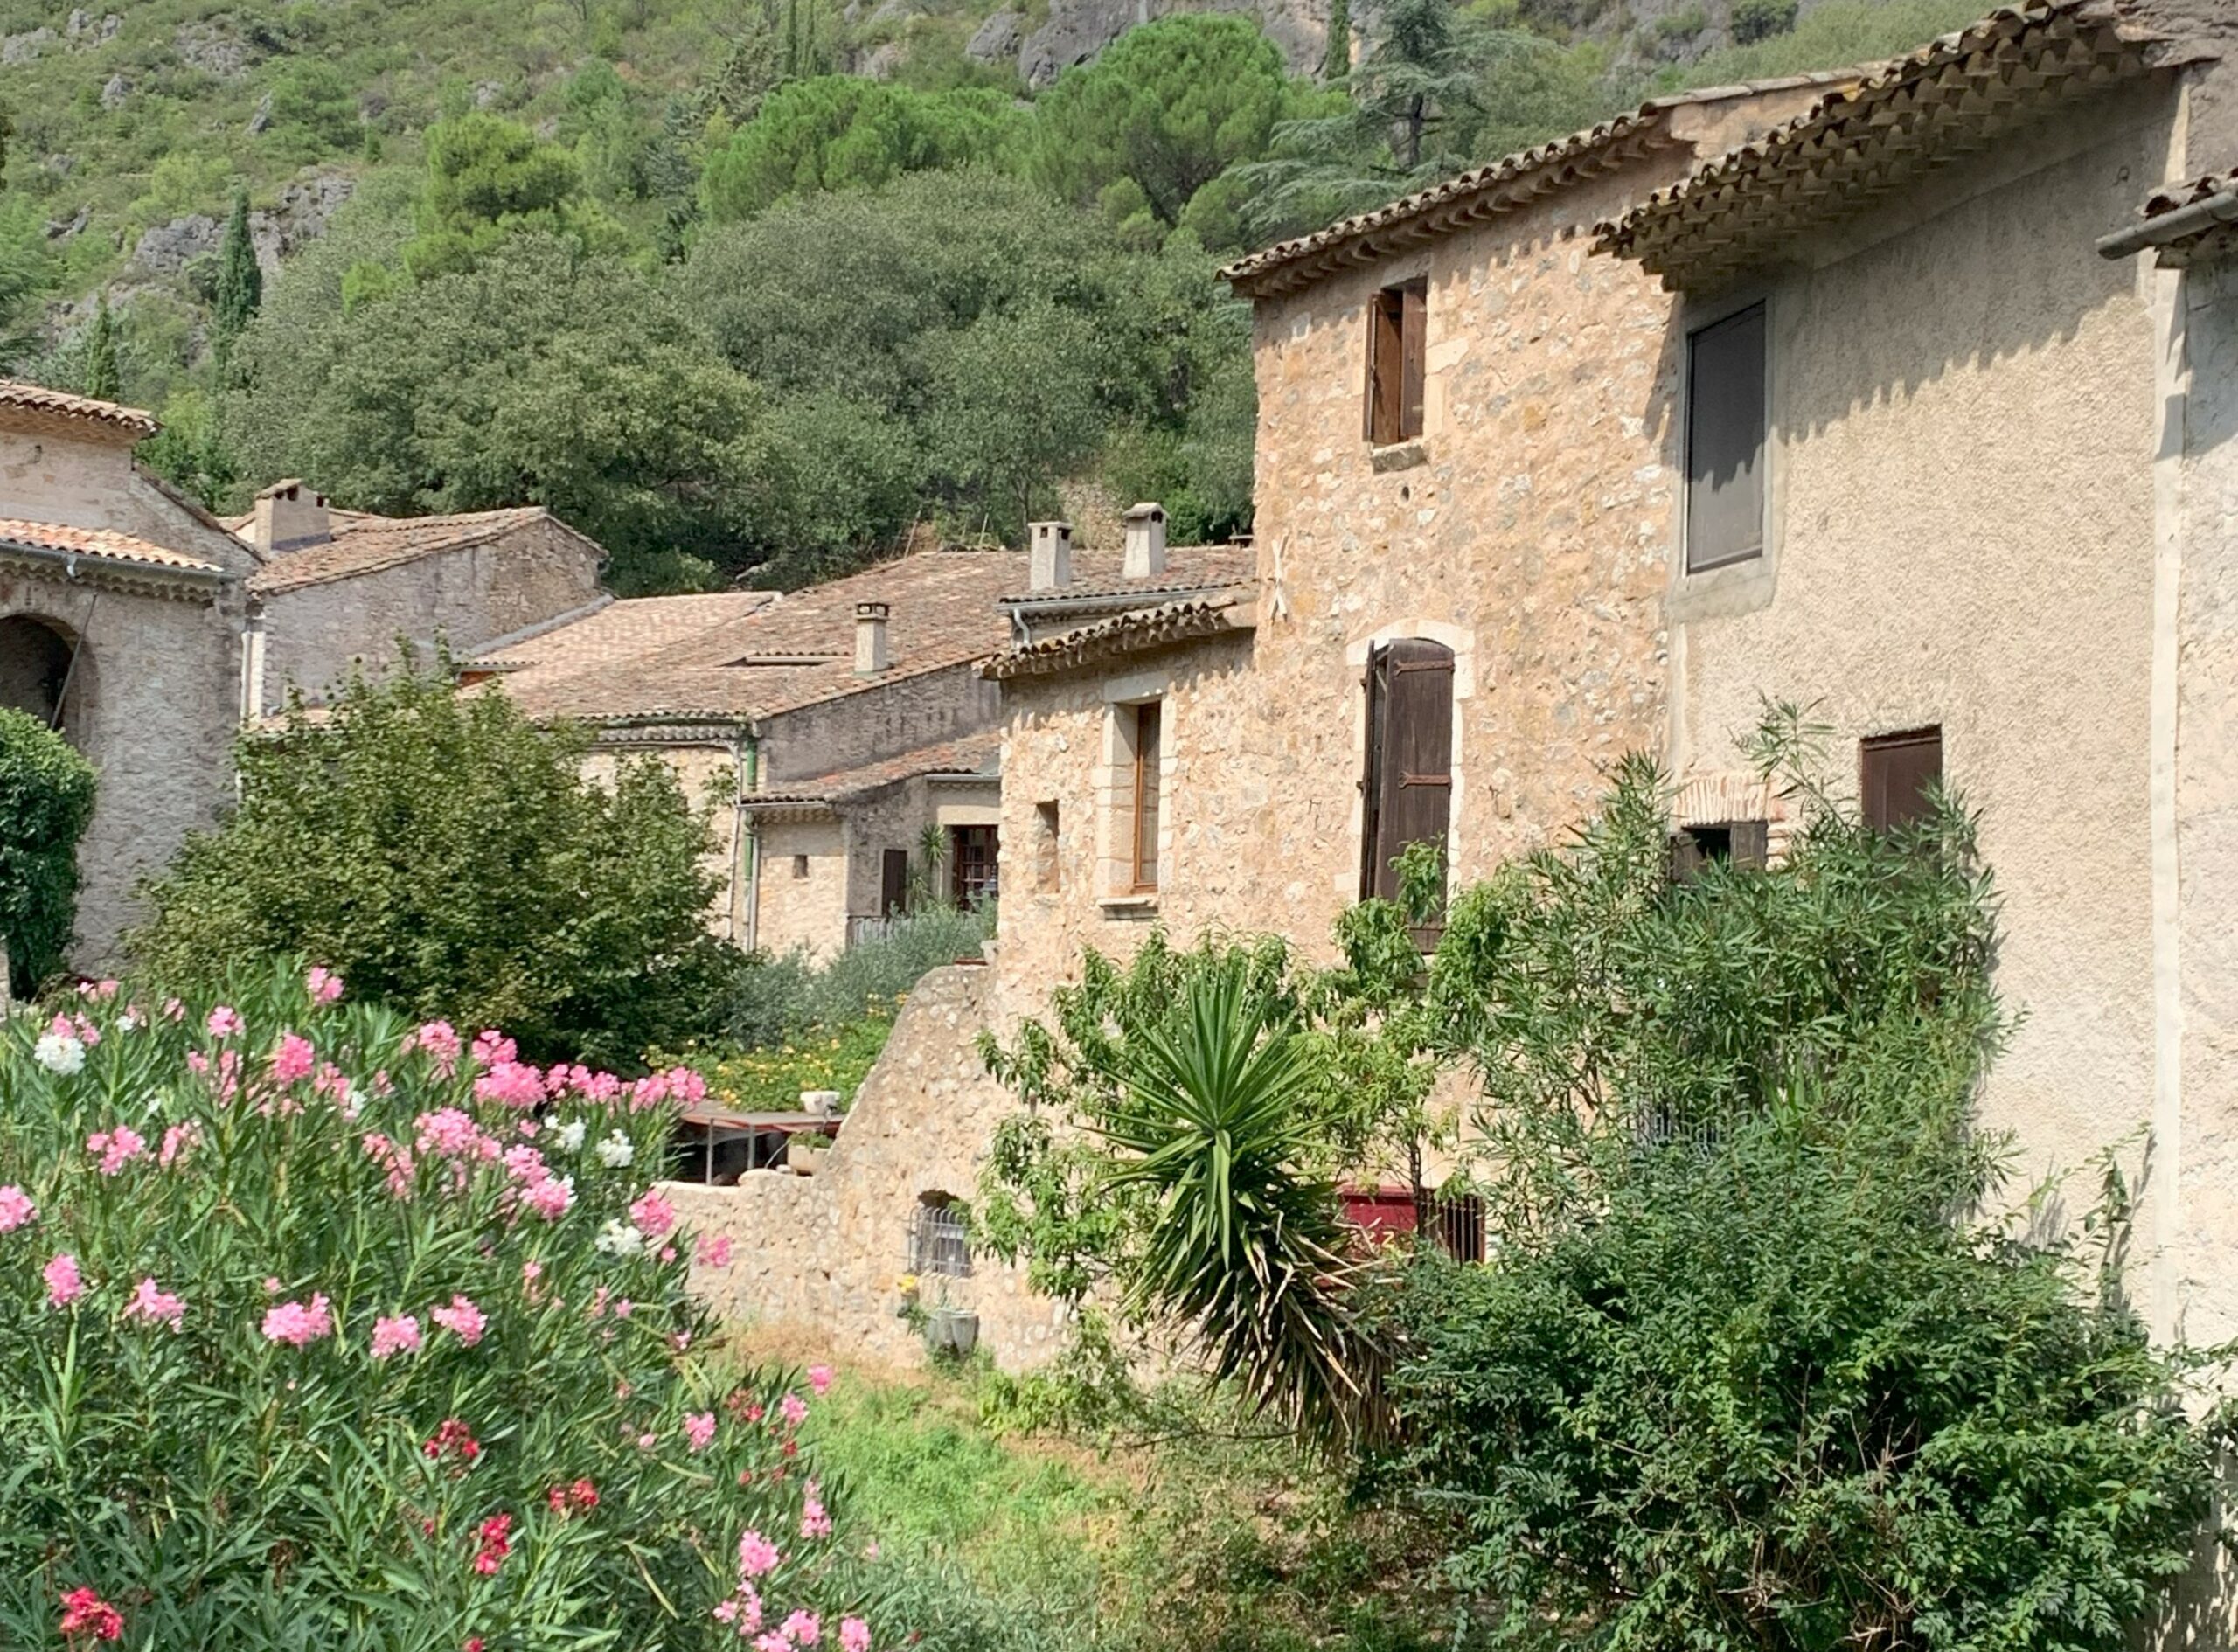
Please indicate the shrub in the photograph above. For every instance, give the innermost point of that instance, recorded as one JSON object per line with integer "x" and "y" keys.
{"x": 324, "y": 1330}
{"x": 778, "y": 999}
{"x": 1755, "y": 20}
{"x": 46, "y": 802}
{"x": 450, "y": 857}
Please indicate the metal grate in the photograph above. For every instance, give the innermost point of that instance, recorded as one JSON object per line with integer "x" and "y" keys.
{"x": 940, "y": 1243}
{"x": 1457, "y": 1224}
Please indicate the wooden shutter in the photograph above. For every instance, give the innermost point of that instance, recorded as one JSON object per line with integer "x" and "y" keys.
{"x": 1385, "y": 367}
{"x": 893, "y": 882}
{"x": 1751, "y": 843}
{"x": 1414, "y": 349}
{"x": 1725, "y": 440}
{"x": 1148, "y": 740}
{"x": 1895, "y": 773}
{"x": 1410, "y": 755}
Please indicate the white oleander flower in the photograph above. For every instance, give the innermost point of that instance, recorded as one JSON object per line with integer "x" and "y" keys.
{"x": 615, "y": 1151}
{"x": 59, "y": 1052}
{"x": 570, "y": 1135}
{"x": 617, "y": 1238}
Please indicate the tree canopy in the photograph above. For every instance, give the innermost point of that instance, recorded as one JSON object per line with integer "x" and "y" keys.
{"x": 46, "y": 802}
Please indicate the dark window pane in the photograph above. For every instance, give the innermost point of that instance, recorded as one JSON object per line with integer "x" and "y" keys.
{"x": 1148, "y": 733}
{"x": 1725, "y": 442}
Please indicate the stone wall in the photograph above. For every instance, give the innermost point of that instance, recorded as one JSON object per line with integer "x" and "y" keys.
{"x": 801, "y": 885}
{"x": 81, "y": 476}
{"x": 466, "y": 597}
{"x": 874, "y": 723}
{"x": 823, "y": 1252}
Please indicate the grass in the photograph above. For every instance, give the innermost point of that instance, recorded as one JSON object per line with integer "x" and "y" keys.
{"x": 1209, "y": 1543}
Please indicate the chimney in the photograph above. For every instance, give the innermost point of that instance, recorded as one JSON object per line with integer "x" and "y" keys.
{"x": 289, "y": 517}
{"x": 870, "y": 639}
{"x": 1050, "y": 563}
{"x": 1145, "y": 542}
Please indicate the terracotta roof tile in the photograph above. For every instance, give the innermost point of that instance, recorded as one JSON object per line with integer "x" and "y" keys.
{"x": 39, "y": 398}
{"x": 1189, "y": 567}
{"x": 101, "y": 544}
{"x": 1486, "y": 189}
{"x": 976, "y": 754}
{"x": 1131, "y": 632}
{"x": 366, "y": 544}
{"x": 1962, "y": 90}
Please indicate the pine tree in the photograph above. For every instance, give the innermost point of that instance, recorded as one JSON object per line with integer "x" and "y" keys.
{"x": 241, "y": 284}
{"x": 1336, "y": 61}
{"x": 103, "y": 380}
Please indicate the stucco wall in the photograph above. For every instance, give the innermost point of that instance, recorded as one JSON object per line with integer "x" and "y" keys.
{"x": 466, "y": 597}
{"x": 1962, "y": 532}
{"x": 152, "y": 704}
{"x": 824, "y": 1250}
{"x": 802, "y": 887}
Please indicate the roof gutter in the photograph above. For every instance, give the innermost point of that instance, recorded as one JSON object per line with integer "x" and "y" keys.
{"x": 68, "y": 561}
{"x": 2159, "y": 230}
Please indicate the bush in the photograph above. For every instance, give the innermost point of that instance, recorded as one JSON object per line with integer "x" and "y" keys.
{"x": 1755, "y": 20}
{"x": 325, "y": 1332}
{"x": 450, "y": 857}
{"x": 46, "y": 802}
{"x": 779, "y": 999}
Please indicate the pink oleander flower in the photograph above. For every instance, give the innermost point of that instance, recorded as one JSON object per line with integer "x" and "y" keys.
{"x": 174, "y": 1010}
{"x": 712, "y": 1250}
{"x": 510, "y": 1084}
{"x": 462, "y": 1319}
{"x": 399, "y": 1334}
{"x": 299, "y": 1324}
{"x": 624, "y": 1307}
{"x": 854, "y": 1635}
{"x": 293, "y": 1058}
{"x": 819, "y": 1380}
{"x": 99, "y": 991}
{"x": 225, "y": 1021}
{"x": 64, "y": 1285}
{"x": 801, "y": 1628}
{"x": 15, "y": 1208}
{"x": 647, "y": 1442}
{"x": 85, "y": 1613}
{"x": 179, "y": 1141}
{"x": 116, "y": 1148}
{"x": 440, "y": 1040}
{"x": 794, "y": 1410}
{"x": 700, "y": 1430}
{"x": 491, "y": 1047}
{"x": 757, "y": 1556}
{"x": 550, "y": 1197}
{"x": 654, "y": 1215}
{"x": 816, "y": 1521}
{"x": 150, "y": 1303}
{"x": 774, "y": 1640}
{"x": 325, "y": 985}
{"x": 495, "y": 1544}
{"x": 451, "y": 1133}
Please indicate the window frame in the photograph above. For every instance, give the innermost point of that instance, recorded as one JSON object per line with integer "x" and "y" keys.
{"x": 1145, "y": 779}
{"x": 1696, "y": 327}
{"x": 1398, "y": 333}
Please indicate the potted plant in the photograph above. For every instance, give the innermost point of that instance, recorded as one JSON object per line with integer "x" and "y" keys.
{"x": 952, "y": 1331}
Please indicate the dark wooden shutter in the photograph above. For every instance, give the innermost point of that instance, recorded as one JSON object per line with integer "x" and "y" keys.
{"x": 1414, "y": 349}
{"x": 1386, "y": 358}
{"x": 893, "y": 882}
{"x": 1725, "y": 440}
{"x": 1377, "y": 687}
{"x": 1148, "y": 755}
{"x": 1410, "y": 751}
{"x": 1895, "y": 773}
{"x": 1751, "y": 843}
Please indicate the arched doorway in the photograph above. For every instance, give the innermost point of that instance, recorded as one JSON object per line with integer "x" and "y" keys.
{"x": 46, "y": 671}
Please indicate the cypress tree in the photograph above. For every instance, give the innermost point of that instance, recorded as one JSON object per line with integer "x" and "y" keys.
{"x": 103, "y": 380}
{"x": 241, "y": 284}
{"x": 1336, "y": 61}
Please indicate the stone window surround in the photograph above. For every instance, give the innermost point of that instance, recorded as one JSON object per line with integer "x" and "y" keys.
{"x": 1413, "y": 452}
{"x": 1462, "y": 640}
{"x": 1731, "y": 588}
{"x": 1719, "y": 797}
{"x": 1113, "y": 789}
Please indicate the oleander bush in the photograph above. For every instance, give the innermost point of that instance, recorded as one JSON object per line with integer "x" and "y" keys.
{"x": 326, "y": 1330}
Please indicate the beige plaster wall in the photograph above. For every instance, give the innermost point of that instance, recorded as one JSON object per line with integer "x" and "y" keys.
{"x": 65, "y": 471}
{"x": 467, "y": 598}
{"x": 823, "y": 1252}
{"x": 807, "y": 910}
{"x": 1962, "y": 532}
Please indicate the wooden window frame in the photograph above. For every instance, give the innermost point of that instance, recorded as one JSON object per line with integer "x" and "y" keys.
{"x": 1398, "y": 352}
{"x": 1146, "y": 782}
{"x": 960, "y": 864}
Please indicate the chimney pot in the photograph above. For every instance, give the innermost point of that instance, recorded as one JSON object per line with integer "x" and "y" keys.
{"x": 1050, "y": 558}
{"x": 1145, "y": 525}
{"x": 870, "y": 639}
{"x": 289, "y": 517}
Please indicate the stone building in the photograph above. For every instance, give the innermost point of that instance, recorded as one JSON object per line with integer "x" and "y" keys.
{"x": 120, "y": 612}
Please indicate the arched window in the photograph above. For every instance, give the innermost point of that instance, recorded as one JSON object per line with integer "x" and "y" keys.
{"x": 42, "y": 671}
{"x": 940, "y": 1239}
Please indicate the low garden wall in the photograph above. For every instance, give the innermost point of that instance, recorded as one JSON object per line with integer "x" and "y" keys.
{"x": 824, "y": 1251}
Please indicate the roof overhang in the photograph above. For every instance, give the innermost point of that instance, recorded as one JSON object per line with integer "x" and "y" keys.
{"x": 2182, "y": 227}
{"x": 1140, "y": 632}
{"x": 1953, "y": 96}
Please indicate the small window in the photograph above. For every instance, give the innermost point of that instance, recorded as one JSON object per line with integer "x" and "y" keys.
{"x": 1397, "y": 346}
{"x": 1897, "y": 774}
{"x": 892, "y": 882}
{"x": 1737, "y": 842}
{"x": 940, "y": 1239}
{"x": 1149, "y": 748}
{"x": 799, "y": 865}
{"x": 1725, "y": 442}
{"x": 1048, "y": 867}
{"x": 973, "y": 863}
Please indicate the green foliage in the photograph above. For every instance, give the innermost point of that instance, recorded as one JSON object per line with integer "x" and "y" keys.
{"x": 840, "y": 132}
{"x": 1337, "y": 60}
{"x": 490, "y": 178}
{"x": 1168, "y": 106}
{"x": 218, "y": 1485}
{"x": 1839, "y": 33}
{"x": 774, "y": 1078}
{"x": 314, "y": 111}
{"x": 46, "y": 802}
{"x": 189, "y": 451}
{"x": 27, "y": 273}
{"x": 1755, "y": 20}
{"x": 777, "y": 1000}
{"x": 241, "y": 282}
{"x": 450, "y": 859}
{"x": 544, "y": 374}
{"x": 100, "y": 375}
